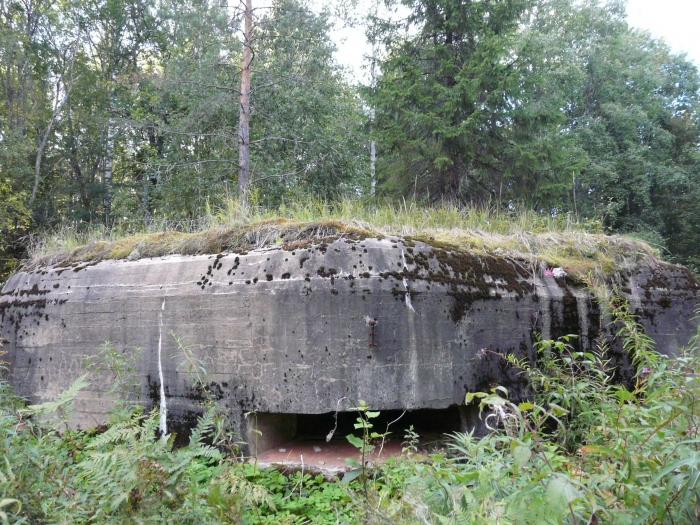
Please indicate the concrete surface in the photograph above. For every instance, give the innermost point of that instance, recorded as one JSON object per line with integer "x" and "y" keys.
{"x": 396, "y": 323}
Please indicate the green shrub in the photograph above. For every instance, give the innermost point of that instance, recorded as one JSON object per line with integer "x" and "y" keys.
{"x": 584, "y": 450}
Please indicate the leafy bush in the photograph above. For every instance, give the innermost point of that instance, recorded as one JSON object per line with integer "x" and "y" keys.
{"x": 584, "y": 450}
{"x": 127, "y": 475}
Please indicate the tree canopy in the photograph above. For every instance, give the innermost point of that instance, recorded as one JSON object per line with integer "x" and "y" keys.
{"x": 126, "y": 112}
{"x": 555, "y": 104}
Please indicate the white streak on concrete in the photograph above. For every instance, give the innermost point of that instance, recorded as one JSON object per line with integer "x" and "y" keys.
{"x": 582, "y": 310}
{"x": 413, "y": 369}
{"x": 407, "y": 296}
{"x": 163, "y": 401}
{"x": 542, "y": 291}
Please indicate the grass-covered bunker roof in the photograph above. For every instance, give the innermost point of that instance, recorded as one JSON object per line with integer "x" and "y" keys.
{"x": 551, "y": 241}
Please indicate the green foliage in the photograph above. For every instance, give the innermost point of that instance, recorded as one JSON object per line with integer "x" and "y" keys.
{"x": 299, "y": 498}
{"x": 308, "y": 138}
{"x": 554, "y": 103}
{"x": 118, "y": 370}
{"x": 60, "y": 407}
{"x": 125, "y": 113}
{"x": 306, "y": 122}
{"x": 15, "y": 221}
{"x": 445, "y": 97}
{"x": 126, "y": 475}
{"x": 365, "y": 443}
{"x": 582, "y": 450}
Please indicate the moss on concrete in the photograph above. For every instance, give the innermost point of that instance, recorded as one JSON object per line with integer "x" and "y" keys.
{"x": 240, "y": 239}
{"x": 577, "y": 252}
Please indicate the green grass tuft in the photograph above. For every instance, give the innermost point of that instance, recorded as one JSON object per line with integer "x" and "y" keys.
{"x": 552, "y": 240}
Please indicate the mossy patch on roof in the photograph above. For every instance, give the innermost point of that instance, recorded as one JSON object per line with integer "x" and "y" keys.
{"x": 577, "y": 252}
{"x": 545, "y": 239}
{"x": 238, "y": 239}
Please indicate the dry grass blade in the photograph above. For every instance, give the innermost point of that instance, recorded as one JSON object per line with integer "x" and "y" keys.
{"x": 534, "y": 238}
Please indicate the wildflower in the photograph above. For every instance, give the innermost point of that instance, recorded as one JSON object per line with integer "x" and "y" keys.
{"x": 559, "y": 273}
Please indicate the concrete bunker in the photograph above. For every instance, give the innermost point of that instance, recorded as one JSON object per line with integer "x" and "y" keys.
{"x": 287, "y": 330}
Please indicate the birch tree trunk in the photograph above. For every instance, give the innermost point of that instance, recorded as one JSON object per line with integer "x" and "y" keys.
{"x": 108, "y": 163}
{"x": 244, "y": 117}
{"x": 58, "y": 105}
{"x": 373, "y": 167}
{"x": 373, "y": 85}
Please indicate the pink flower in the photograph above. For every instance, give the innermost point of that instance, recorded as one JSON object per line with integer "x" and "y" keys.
{"x": 557, "y": 273}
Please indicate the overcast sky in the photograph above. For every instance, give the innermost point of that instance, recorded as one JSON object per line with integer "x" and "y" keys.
{"x": 675, "y": 21}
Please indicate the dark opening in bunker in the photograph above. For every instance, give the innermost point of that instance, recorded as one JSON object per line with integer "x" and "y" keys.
{"x": 318, "y": 441}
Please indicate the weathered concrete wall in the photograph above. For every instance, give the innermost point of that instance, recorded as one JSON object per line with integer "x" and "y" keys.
{"x": 290, "y": 330}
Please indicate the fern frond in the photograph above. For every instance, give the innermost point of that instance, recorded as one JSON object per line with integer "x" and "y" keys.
{"x": 205, "y": 425}
{"x": 252, "y": 493}
{"x": 62, "y": 402}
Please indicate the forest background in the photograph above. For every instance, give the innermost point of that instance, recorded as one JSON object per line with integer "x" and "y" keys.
{"x": 130, "y": 115}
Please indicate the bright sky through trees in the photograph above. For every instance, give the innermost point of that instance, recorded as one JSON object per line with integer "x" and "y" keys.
{"x": 676, "y": 21}
{"x": 673, "y": 20}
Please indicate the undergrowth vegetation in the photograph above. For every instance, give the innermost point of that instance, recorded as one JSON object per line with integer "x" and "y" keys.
{"x": 557, "y": 240}
{"x": 583, "y": 449}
